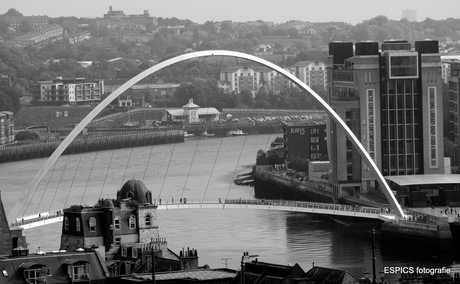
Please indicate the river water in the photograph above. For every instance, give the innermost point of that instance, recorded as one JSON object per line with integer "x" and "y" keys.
{"x": 204, "y": 169}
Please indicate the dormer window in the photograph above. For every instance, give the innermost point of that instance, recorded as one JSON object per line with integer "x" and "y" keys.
{"x": 33, "y": 272}
{"x": 77, "y": 270}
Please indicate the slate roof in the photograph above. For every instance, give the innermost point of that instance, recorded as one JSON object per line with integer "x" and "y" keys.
{"x": 54, "y": 263}
{"x": 321, "y": 275}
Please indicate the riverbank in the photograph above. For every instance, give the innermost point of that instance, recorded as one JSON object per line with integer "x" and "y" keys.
{"x": 92, "y": 143}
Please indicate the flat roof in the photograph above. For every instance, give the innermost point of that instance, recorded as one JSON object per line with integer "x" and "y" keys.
{"x": 406, "y": 180}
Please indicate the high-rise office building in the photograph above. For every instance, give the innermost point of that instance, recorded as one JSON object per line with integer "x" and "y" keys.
{"x": 454, "y": 103}
{"x": 390, "y": 96}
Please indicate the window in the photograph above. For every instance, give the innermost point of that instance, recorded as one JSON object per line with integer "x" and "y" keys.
{"x": 92, "y": 224}
{"x": 148, "y": 220}
{"x": 132, "y": 222}
{"x": 134, "y": 252}
{"x": 124, "y": 251}
{"x": 116, "y": 223}
{"x": 117, "y": 241}
{"x": 77, "y": 224}
{"x": 35, "y": 274}
{"x": 77, "y": 272}
{"x": 66, "y": 223}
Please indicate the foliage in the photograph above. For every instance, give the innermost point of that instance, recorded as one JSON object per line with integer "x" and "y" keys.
{"x": 60, "y": 58}
{"x": 26, "y": 135}
{"x": 9, "y": 100}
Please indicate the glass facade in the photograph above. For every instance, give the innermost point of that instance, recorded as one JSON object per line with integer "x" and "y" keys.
{"x": 401, "y": 117}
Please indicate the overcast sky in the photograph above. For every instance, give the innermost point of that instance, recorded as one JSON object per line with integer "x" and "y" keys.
{"x": 200, "y": 11}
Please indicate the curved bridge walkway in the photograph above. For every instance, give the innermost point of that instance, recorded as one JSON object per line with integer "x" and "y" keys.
{"x": 277, "y": 205}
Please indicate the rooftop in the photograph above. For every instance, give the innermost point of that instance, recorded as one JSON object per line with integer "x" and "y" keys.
{"x": 198, "y": 275}
{"x": 437, "y": 179}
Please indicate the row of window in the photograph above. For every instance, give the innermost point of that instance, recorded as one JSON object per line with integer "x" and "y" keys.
{"x": 116, "y": 223}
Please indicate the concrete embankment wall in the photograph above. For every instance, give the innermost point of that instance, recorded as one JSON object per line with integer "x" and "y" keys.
{"x": 435, "y": 238}
{"x": 270, "y": 185}
{"x": 221, "y": 130}
{"x": 93, "y": 143}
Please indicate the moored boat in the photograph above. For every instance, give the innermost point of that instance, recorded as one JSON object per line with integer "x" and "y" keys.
{"x": 237, "y": 132}
{"x": 186, "y": 134}
{"x": 207, "y": 134}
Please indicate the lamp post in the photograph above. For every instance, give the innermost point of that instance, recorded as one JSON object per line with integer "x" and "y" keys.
{"x": 373, "y": 257}
{"x": 153, "y": 264}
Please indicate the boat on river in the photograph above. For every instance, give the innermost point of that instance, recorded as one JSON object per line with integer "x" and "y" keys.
{"x": 207, "y": 134}
{"x": 236, "y": 132}
{"x": 186, "y": 134}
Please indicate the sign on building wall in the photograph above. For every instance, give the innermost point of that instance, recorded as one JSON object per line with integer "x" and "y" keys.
{"x": 370, "y": 122}
{"x": 298, "y": 141}
{"x": 433, "y": 147}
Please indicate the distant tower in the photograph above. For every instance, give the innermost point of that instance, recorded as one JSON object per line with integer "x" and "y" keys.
{"x": 410, "y": 15}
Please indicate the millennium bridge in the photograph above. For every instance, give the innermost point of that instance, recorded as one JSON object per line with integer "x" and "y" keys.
{"x": 330, "y": 209}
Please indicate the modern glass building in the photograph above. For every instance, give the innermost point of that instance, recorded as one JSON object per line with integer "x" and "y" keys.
{"x": 390, "y": 96}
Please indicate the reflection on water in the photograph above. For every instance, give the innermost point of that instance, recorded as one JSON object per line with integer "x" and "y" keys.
{"x": 204, "y": 169}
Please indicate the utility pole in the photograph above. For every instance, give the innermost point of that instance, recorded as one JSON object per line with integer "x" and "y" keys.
{"x": 153, "y": 264}
{"x": 373, "y": 257}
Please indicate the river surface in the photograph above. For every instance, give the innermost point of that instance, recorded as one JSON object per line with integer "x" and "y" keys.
{"x": 204, "y": 169}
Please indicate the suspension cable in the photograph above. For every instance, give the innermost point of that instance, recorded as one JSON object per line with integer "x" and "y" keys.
{"x": 166, "y": 172}
{"x": 212, "y": 170}
{"x": 89, "y": 177}
{"x": 127, "y": 166}
{"x": 73, "y": 179}
{"x": 36, "y": 190}
{"x": 106, "y": 174}
{"x": 59, "y": 183}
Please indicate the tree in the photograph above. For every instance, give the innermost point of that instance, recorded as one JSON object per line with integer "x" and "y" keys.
{"x": 5, "y": 102}
{"x": 11, "y": 100}
{"x": 26, "y": 135}
{"x": 12, "y": 13}
{"x": 247, "y": 98}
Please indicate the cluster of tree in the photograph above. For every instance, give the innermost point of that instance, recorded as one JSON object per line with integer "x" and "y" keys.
{"x": 26, "y": 135}
{"x": 60, "y": 58}
{"x": 205, "y": 93}
{"x": 10, "y": 100}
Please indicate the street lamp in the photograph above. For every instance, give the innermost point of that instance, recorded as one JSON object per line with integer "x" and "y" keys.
{"x": 373, "y": 257}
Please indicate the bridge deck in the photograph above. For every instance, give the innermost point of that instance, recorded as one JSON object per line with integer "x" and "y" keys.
{"x": 277, "y": 205}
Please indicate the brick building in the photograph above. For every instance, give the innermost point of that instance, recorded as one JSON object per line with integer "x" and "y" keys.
{"x": 126, "y": 228}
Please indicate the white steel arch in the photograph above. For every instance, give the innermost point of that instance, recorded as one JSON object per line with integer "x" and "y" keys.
{"x": 60, "y": 149}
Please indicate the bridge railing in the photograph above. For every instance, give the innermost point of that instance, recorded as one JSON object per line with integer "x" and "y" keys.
{"x": 282, "y": 203}
{"x": 261, "y": 202}
{"x": 36, "y": 218}
{"x": 312, "y": 205}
